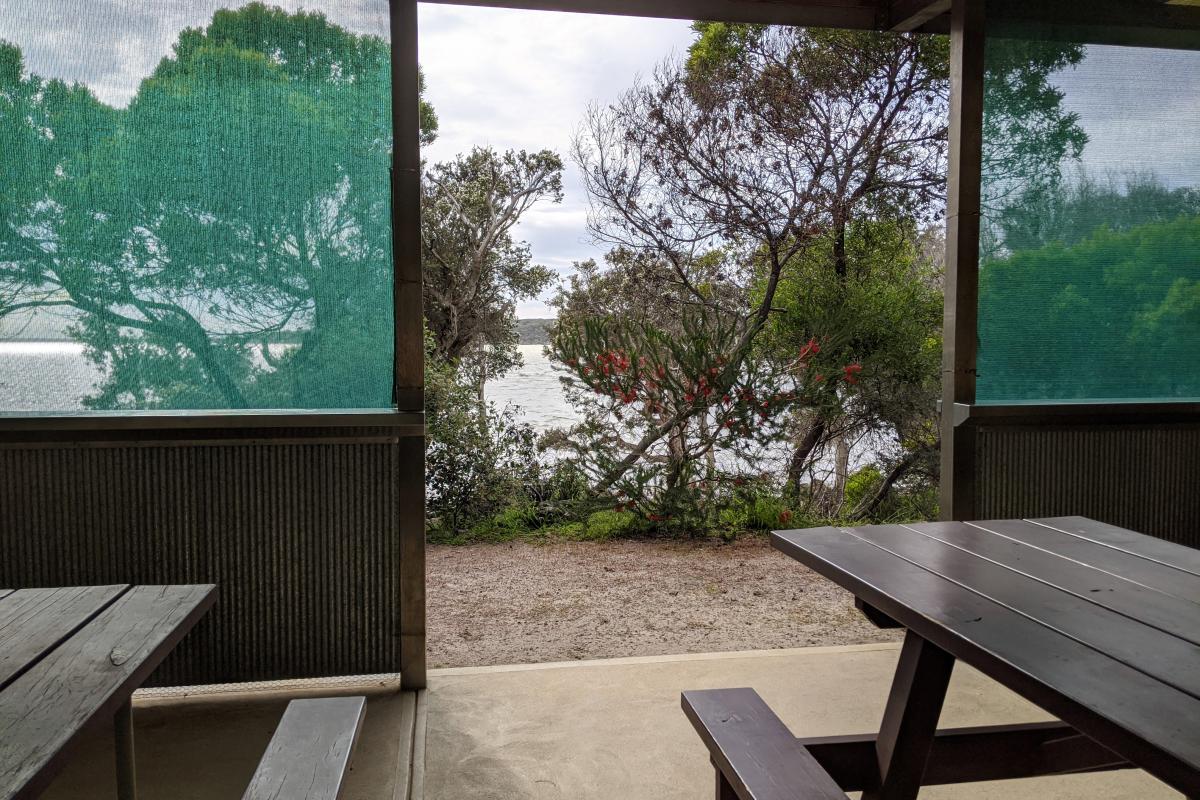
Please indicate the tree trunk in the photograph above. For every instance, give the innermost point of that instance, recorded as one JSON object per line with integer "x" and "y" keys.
{"x": 805, "y": 448}
{"x": 841, "y": 471}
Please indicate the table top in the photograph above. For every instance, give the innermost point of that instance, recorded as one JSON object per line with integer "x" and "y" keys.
{"x": 72, "y": 656}
{"x": 1096, "y": 624}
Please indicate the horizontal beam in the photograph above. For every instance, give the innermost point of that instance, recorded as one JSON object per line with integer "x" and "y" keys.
{"x": 1135, "y": 23}
{"x": 967, "y": 755}
{"x": 106, "y": 421}
{"x": 911, "y": 15}
{"x": 858, "y": 14}
{"x": 1080, "y": 414}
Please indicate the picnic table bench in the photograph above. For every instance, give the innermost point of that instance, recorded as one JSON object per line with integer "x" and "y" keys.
{"x": 1098, "y": 625}
{"x": 71, "y": 658}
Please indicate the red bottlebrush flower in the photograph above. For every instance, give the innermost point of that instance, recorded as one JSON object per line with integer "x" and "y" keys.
{"x": 729, "y": 423}
{"x": 661, "y": 373}
{"x": 688, "y": 398}
{"x": 810, "y": 349}
{"x": 630, "y": 397}
{"x": 850, "y": 373}
{"x": 818, "y": 377}
{"x": 725, "y": 399}
{"x": 708, "y": 390}
{"x": 785, "y": 517}
{"x": 713, "y": 371}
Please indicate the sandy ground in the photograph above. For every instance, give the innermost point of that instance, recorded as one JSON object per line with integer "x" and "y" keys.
{"x": 517, "y": 603}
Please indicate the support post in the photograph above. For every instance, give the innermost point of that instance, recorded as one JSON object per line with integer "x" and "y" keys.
{"x": 910, "y": 719}
{"x": 959, "y": 328}
{"x": 126, "y": 764}
{"x": 409, "y": 367}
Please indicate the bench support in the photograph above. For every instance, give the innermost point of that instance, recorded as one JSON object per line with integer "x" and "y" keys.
{"x": 123, "y": 740}
{"x": 967, "y": 755}
{"x": 910, "y": 719}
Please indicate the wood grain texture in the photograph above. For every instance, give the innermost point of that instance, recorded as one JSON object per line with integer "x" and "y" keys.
{"x": 1142, "y": 719}
{"x": 310, "y": 751}
{"x": 1151, "y": 574}
{"x": 34, "y": 621}
{"x": 1163, "y": 611}
{"x": 87, "y": 678}
{"x": 752, "y": 748}
{"x": 1160, "y": 655}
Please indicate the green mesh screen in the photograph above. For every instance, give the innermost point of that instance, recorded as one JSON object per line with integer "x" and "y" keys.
{"x": 1090, "y": 248}
{"x": 194, "y": 205}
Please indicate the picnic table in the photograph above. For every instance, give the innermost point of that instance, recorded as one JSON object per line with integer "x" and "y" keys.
{"x": 1098, "y": 625}
{"x": 71, "y": 658}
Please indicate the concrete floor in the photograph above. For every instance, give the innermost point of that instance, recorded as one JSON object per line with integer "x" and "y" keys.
{"x": 588, "y": 729}
{"x": 613, "y": 729}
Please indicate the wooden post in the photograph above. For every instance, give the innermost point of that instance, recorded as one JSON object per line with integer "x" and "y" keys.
{"x": 959, "y": 331}
{"x": 910, "y": 719}
{"x": 409, "y": 377}
{"x": 126, "y": 764}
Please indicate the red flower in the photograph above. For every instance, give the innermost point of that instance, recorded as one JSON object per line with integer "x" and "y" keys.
{"x": 810, "y": 349}
{"x": 818, "y": 377}
{"x": 785, "y": 517}
{"x": 850, "y": 373}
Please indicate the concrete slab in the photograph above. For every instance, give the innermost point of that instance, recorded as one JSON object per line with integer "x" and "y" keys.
{"x": 613, "y": 728}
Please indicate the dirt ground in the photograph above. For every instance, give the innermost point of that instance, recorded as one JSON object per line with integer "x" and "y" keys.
{"x": 516, "y": 603}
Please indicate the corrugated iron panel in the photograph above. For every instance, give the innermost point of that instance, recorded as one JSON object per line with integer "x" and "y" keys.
{"x": 1142, "y": 477}
{"x": 300, "y": 529}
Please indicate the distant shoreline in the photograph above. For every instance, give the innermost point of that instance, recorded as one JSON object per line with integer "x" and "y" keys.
{"x": 534, "y": 331}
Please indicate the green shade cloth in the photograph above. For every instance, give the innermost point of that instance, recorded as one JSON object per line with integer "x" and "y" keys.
{"x": 208, "y": 223}
{"x": 1090, "y": 246}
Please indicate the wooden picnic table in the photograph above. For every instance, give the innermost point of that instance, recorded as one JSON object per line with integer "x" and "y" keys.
{"x": 1098, "y": 625}
{"x": 71, "y": 658}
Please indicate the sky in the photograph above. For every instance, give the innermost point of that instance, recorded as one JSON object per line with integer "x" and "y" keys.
{"x": 523, "y": 80}
{"x": 498, "y": 77}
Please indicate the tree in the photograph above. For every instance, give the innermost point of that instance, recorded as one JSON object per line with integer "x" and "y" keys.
{"x": 224, "y": 241}
{"x": 758, "y": 160}
{"x": 475, "y": 272}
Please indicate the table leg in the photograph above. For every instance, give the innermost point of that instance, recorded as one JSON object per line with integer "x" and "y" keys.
{"x": 910, "y": 718}
{"x": 126, "y": 768}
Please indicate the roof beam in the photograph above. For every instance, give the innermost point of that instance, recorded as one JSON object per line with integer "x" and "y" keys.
{"x": 859, "y": 14}
{"x": 909, "y": 15}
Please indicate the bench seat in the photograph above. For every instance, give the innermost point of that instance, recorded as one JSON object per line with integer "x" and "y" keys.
{"x": 308, "y": 756}
{"x": 755, "y": 755}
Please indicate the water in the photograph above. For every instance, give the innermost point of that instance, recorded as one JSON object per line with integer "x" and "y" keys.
{"x": 55, "y": 376}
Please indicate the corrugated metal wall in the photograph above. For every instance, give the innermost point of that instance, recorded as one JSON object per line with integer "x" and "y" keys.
{"x": 1142, "y": 477}
{"x": 300, "y": 528}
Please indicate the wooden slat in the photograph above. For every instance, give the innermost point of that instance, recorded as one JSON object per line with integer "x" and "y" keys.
{"x": 310, "y": 751}
{"x": 86, "y": 678}
{"x": 753, "y": 749}
{"x": 1183, "y": 585}
{"x": 1171, "y": 554}
{"x": 34, "y": 621}
{"x": 1163, "y": 611}
{"x": 1141, "y": 719}
{"x": 1159, "y": 655}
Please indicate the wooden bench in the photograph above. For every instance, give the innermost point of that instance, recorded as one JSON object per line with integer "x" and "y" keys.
{"x": 310, "y": 751}
{"x": 755, "y": 755}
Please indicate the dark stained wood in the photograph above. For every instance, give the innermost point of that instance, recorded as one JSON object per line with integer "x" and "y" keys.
{"x": 35, "y": 621}
{"x": 310, "y": 751}
{"x": 1174, "y": 555}
{"x": 1141, "y": 719}
{"x": 875, "y": 616}
{"x": 1170, "y": 659}
{"x": 1163, "y": 611}
{"x": 968, "y": 755}
{"x": 959, "y": 335}
{"x": 1151, "y": 574}
{"x": 910, "y": 719}
{"x": 909, "y": 15}
{"x": 753, "y": 749}
{"x": 87, "y": 678}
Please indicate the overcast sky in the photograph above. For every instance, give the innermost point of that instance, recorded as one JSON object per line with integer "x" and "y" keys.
{"x": 522, "y": 79}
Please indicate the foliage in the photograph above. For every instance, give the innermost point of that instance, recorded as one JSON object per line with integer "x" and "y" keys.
{"x": 474, "y": 271}
{"x": 1116, "y": 314}
{"x": 204, "y": 268}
